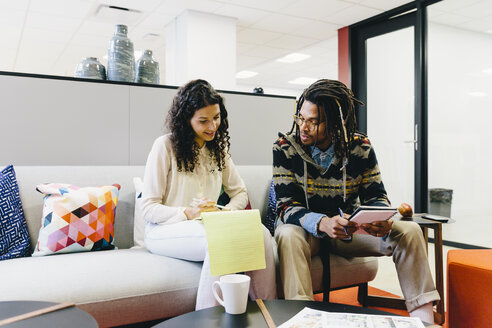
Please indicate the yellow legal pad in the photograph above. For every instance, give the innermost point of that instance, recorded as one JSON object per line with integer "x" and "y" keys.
{"x": 235, "y": 241}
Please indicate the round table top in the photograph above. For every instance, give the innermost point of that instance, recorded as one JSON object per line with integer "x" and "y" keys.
{"x": 417, "y": 218}
{"x": 280, "y": 311}
{"x": 68, "y": 317}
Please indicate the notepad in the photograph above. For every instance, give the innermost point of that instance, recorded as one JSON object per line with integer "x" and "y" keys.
{"x": 369, "y": 214}
{"x": 235, "y": 241}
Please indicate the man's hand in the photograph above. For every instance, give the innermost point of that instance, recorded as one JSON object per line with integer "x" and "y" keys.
{"x": 378, "y": 228}
{"x": 333, "y": 227}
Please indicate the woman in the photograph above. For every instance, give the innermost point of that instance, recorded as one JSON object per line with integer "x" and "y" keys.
{"x": 185, "y": 172}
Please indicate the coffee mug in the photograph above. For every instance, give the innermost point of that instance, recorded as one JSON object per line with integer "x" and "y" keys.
{"x": 235, "y": 288}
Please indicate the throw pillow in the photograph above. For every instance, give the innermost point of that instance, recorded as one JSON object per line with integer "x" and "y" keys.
{"x": 14, "y": 236}
{"x": 272, "y": 210}
{"x": 76, "y": 219}
{"x": 138, "y": 221}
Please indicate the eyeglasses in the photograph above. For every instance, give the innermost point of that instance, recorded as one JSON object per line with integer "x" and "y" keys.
{"x": 310, "y": 124}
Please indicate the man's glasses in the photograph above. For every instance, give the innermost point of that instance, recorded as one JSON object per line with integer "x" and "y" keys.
{"x": 310, "y": 124}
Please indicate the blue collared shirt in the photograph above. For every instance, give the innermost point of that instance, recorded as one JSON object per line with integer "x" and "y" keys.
{"x": 323, "y": 158}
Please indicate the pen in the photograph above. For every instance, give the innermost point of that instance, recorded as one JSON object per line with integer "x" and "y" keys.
{"x": 341, "y": 214}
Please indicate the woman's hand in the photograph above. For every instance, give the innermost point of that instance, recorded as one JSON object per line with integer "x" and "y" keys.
{"x": 199, "y": 206}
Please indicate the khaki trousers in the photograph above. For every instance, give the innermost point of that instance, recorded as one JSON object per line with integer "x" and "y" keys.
{"x": 405, "y": 244}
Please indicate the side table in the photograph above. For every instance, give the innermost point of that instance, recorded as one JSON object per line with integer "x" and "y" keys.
{"x": 68, "y": 317}
{"x": 425, "y": 225}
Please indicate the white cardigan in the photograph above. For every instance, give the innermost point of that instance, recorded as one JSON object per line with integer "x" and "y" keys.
{"x": 167, "y": 191}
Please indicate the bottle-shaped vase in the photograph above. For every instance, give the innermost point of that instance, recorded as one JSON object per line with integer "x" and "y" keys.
{"x": 147, "y": 69}
{"x": 121, "y": 59}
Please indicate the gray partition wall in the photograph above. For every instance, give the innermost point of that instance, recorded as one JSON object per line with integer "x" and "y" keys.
{"x": 68, "y": 121}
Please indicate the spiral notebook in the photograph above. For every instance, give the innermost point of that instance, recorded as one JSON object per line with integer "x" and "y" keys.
{"x": 369, "y": 214}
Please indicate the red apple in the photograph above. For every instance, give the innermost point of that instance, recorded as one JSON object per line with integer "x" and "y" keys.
{"x": 405, "y": 210}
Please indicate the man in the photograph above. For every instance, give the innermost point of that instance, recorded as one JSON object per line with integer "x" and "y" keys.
{"x": 322, "y": 168}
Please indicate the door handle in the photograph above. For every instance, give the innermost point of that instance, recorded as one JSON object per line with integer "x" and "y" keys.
{"x": 416, "y": 140}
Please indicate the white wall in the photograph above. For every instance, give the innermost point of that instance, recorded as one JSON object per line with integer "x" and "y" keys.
{"x": 294, "y": 92}
{"x": 48, "y": 121}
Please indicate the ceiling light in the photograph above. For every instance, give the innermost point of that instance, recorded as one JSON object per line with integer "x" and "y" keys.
{"x": 293, "y": 58}
{"x": 477, "y": 94}
{"x": 303, "y": 81}
{"x": 116, "y": 15}
{"x": 487, "y": 71}
{"x": 245, "y": 74}
{"x": 151, "y": 36}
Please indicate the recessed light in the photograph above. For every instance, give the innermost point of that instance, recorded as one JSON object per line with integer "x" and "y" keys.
{"x": 293, "y": 58}
{"x": 303, "y": 81}
{"x": 245, "y": 74}
{"x": 477, "y": 94}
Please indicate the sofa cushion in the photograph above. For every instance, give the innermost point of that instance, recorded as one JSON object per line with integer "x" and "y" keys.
{"x": 14, "y": 236}
{"x": 76, "y": 219}
{"x": 89, "y": 277}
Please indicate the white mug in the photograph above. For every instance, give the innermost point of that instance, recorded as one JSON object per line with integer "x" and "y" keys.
{"x": 235, "y": 288}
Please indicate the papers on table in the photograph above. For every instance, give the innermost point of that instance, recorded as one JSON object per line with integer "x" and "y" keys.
{"x": 235, "y": 241}
{"x": 309, "y": 318}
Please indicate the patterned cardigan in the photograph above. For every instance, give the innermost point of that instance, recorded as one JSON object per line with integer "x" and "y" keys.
{"x": 298, "y": 179}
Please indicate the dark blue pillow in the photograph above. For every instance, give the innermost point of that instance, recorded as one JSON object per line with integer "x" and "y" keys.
{"x": 14, "y": 236}
{"x": 272, "y": 210}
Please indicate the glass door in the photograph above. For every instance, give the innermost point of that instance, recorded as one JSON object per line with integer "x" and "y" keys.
{"x": 390, "y": 110}
{"x": 384, "y": 65}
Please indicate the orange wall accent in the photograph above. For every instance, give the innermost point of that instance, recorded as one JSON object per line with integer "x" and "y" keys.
{"x": 344, "y": 56}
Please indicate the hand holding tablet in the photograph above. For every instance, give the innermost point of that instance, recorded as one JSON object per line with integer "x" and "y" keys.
{"x": 370, "y": 214}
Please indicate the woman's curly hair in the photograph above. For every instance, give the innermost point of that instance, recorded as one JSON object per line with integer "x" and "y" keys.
{"x": 191, "y": 97}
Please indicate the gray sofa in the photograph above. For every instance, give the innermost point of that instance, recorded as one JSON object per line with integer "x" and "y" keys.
{"x": 129, "y": 284}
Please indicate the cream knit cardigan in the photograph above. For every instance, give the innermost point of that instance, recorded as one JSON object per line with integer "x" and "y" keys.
{"x": 167, "y": 191}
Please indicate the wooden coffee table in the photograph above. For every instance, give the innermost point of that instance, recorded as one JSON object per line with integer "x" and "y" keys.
{"x": 280, "y": 310}
{"x": 69, "y": 317}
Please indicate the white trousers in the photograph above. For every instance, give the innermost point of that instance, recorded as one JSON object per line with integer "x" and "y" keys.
{"x": 187, "y": 241}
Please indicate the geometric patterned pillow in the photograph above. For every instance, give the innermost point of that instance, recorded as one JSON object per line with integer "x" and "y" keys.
{"x": 76, "y": 219}
{"x": 14, "y": 236}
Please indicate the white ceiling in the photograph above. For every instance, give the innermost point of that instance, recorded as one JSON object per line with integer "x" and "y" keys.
{"x": 52, "y": 36}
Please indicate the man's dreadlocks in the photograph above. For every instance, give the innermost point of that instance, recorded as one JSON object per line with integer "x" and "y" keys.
{"x": 332, "y": 96}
